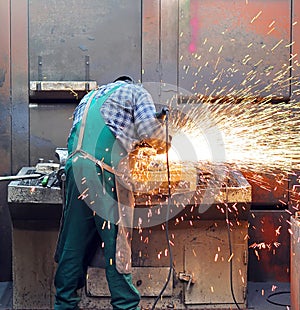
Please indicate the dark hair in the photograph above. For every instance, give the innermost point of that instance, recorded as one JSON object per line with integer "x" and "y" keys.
{"x": 125, "y": 78}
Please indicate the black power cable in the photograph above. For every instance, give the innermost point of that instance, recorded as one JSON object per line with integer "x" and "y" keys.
{"x": 164, "y": 115}
{"x": 230, "y": 262}
{"x": 166, "y": 118}
{"x": 276, "y": 303}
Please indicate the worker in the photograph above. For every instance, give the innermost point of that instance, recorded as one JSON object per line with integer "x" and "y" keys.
{"x": 108, "y": 123}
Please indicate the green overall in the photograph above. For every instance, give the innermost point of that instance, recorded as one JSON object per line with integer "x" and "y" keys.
{"x": 91, "y": 212}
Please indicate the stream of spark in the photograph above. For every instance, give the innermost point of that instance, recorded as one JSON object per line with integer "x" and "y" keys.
{"x": 255, "y": 134}
{"x": 257, "y": 137}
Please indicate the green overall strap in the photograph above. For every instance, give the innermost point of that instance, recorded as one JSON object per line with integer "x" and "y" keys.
{"x": 90, "y": 131}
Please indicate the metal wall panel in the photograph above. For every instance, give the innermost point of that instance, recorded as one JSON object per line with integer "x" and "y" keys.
{"x": 169, "y": 41}
{"x": 201, "y": 45}
{"x": 75, "y": 40}
{"x": 295, "y": 258}
{"x": 214, "y": 270}
{"x": 5, "y": 121}
{"x": 49, "y": 128}
{"x": 33, "y": 268}
{"x": 160, "y": 41}
{"x": 63, "y": 33}
{"x": 234, "y": 47}
{"x": 269, "y": 244}
{"x": 149, "y": 281}
{"x": 276, "y": 193}
{"x": 160, "y": 49}
{"x": 150, "y": 41}
{"x": 295, "y": 51}
{"x": 19, "y": 84}
{"x": 5, "y": 140}
{"x": 200, "y": 250}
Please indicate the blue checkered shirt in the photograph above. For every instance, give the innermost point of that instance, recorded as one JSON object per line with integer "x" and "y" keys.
{"x": 129, "y": 112}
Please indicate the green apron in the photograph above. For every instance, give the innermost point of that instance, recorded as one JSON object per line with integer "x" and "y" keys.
{"x": 91, "y": 211}
{"x": 92, "y": 142}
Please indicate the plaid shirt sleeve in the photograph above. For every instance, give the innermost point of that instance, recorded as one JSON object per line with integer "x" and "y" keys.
{"x": 129, "y": 112}
{"x": 146, "y": 123}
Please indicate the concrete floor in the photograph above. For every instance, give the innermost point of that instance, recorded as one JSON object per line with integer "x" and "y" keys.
{"x": 258, "y": 296}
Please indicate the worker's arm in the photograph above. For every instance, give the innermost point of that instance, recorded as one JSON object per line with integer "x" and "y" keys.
{"x": 149, "y": 129}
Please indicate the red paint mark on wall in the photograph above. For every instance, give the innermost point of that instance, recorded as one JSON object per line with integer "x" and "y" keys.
{"x": 194, "y": 24}
{"x": 264, "y": 18}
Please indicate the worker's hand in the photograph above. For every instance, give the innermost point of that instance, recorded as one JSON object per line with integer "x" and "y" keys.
{"x": 163, "y": 149}
{"x": 160, "y": 145}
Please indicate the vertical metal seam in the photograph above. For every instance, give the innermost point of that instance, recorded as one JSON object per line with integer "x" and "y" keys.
{"x": 290, "y": 79}
{"x": 177, "y": 48}
{"x": 291, "y": 46}
{"x": 28, "y": 85}
{"x": 14, "y": 8}
{"x": 10, "y": 89}
{"x": 142, "y": 36}
{"x": 160, "y": 43}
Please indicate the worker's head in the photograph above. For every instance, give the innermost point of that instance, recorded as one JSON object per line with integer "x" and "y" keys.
{"x": 125, "y": 78}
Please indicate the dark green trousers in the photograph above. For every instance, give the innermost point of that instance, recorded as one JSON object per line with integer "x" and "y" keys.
{"x": 82, "y": 230}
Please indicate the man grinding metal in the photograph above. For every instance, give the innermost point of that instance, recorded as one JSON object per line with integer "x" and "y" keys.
{"x": 107, "y": 125}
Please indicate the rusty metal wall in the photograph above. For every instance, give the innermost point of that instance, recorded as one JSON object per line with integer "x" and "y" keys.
{"x": 199, "y": 45}
{"x": 19, "y": 84}
{"x": 231, "y": 46}
{"x": 62, "y": 33}
{"x": 14, "y": 147}
{"x": 199, "y": 250}
{"x": 160, "y": 41}
{"x": 5, "y": 140}
{"x": 77, "y": 41}
{"x": 295, "y": 50}
{"x": 98, "y": 41}
{"x": 295, "y": 257}
{"x": 269, "y": 246}
{"x": 49, "y": 128}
